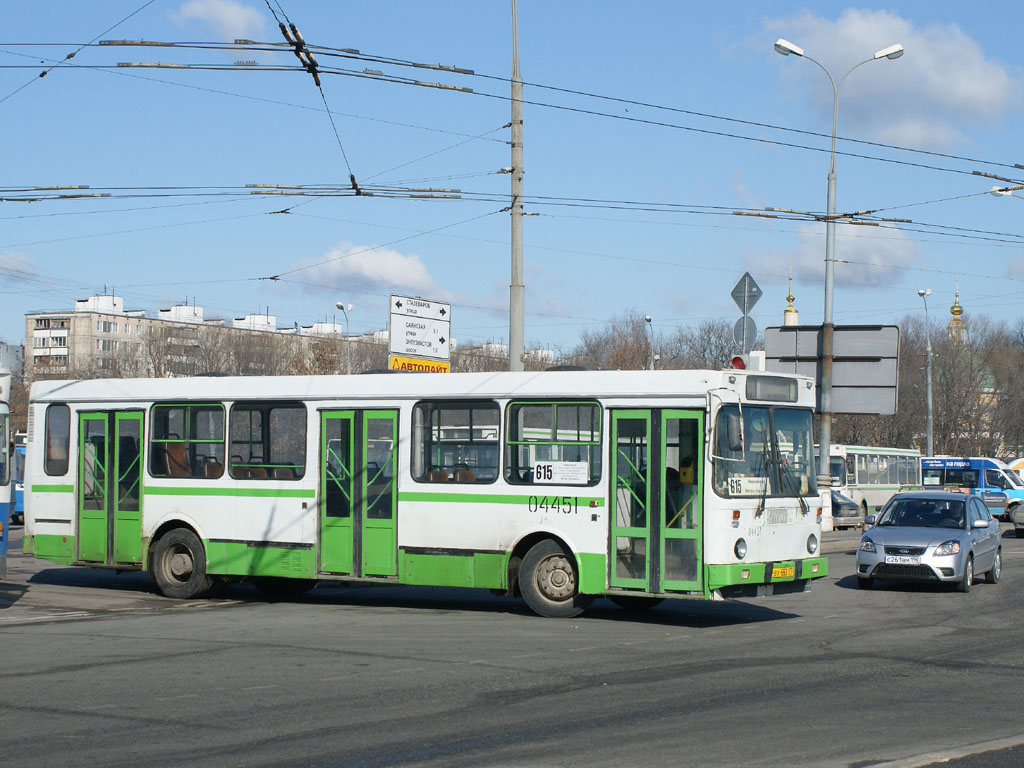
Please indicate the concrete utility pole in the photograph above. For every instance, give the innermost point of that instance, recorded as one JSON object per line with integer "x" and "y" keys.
{"x": 516, "y": 310}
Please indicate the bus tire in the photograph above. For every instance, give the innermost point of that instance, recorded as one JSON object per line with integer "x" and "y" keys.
{"x": 179, "y": 565}
{"x": 549, "y": 582}
{"x": 635, "y": 603}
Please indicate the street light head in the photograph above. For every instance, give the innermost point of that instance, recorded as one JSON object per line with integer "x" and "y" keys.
{"x": 924, "y": 292}
{"x": 647, "y": 318}
{"x": 785, "y": 48}
{"x": 892, "y": 52}
{"x": 340, "y": 305}
{"x": 1000, "y": 191}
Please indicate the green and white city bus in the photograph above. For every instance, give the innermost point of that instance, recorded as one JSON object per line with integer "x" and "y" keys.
{"x": 559, "y": 486}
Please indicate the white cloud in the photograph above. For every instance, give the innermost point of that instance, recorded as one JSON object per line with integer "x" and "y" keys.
{"x": 862, "y": 260}
{"x": 230, "y": 19}
{"x": 942, "y": 82}
{"x": 366, "y": 268}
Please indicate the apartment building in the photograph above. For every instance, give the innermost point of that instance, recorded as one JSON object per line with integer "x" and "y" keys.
{"x": 100, "y": 337}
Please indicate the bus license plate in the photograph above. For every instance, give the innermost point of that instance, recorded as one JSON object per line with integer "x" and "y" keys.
{"x": 902, "y": 560}
{"x": 783, "y": 572}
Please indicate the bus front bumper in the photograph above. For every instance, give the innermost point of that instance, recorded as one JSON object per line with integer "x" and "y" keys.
{"x": 763, "y": 579}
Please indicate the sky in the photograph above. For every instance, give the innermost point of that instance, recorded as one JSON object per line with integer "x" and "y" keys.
{"x": 648, "y": 127}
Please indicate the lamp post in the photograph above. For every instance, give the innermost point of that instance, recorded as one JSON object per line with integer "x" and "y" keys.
{"x": 784, "y": 47}
{"x": 348, "y": 346}
{"x": 647, "y": 319}
{"x": 924, "y": 293}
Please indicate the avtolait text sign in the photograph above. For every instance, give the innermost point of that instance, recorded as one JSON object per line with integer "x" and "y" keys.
{"x": 425, "y": 366}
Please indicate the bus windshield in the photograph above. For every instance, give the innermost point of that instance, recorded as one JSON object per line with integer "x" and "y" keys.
{"x": 776, "y": 458}
{"x": 837, "y": 468}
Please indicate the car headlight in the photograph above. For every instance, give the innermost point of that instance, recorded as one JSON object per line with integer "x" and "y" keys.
{"x": 740, "y": 549}
{"x": 812, "y": 544}
{"x": 867, "y": 545}
{"x": 951, "y": 547}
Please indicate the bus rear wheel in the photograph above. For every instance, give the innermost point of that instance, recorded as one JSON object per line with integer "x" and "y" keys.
{"x": 179, "y": 565}
{"x": 549, "y": 582}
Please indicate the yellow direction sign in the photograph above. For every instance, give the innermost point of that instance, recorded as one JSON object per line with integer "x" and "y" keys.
{"x": 413, "y": 364}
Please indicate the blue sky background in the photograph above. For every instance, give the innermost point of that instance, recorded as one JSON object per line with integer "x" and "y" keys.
{"x": 956, "y": 91}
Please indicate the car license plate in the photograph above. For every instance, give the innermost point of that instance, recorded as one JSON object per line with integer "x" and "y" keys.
{"x": 902, "y": 560}
{"x": 783, "y": 572}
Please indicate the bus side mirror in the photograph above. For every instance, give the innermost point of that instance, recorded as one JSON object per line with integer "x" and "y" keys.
{"x": 735, "y": 434}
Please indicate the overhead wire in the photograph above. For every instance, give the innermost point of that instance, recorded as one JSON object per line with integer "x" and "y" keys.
{"x": 74, "y": 53}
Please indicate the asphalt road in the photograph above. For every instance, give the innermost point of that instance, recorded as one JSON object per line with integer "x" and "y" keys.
{"x": 99, "y": 670}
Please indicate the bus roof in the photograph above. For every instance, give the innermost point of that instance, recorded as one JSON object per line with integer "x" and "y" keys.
{"x": 562, "y": 384}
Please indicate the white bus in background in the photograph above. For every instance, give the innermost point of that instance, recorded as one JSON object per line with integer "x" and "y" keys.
{"x": 560, "y": 486}
{"x": 870, "y": 475}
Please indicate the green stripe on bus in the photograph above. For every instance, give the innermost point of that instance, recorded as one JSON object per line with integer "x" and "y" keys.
{"x": 53, "y": 489}
{"x": 281, "y": 493}
{"x": 492, "y": 498}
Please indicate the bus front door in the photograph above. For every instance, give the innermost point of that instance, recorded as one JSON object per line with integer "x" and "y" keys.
{"x": 109, "y": 494}
{"x": 656, "y": 510}
{"x": 357, "y": 505}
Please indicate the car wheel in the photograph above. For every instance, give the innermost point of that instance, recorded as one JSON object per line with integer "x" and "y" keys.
{"x": 964, "y": 585}
{"x": 548, "y": 581}
{"x": 992, "y": 577}
{"x": 865, "y": 582}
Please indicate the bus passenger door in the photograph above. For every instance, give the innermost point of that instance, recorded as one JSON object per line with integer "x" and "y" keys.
{"x": 127, "y": 493}
{"x": 358, "y": 534}
{"x": 377, "y": 477}
{"x": 630, "y": 499}
{"x": 93, "y": 486}
{"x": 337, "y": 491}
{"x": 110, "y": 487}
{"x": 681, "y": 494}
{"x": 656, "y": 505}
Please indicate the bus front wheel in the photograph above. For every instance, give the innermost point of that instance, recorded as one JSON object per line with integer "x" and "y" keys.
{"x": 179, "y": 565}
{"x": 549, "y": 582}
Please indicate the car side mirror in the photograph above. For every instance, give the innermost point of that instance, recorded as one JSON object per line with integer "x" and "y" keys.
{"x": 870, "y": 520}
{"x": 981, "y": 523}
{"x": 734, "y": 431}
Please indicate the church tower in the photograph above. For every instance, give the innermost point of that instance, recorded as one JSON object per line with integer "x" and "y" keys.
{"x": 789, "y": 314}
{"x": 957, "y": 328}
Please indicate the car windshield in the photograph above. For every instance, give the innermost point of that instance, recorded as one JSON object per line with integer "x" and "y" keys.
{"x": 923, "y": 513}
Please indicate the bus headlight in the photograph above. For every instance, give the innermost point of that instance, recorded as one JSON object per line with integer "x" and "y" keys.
{"x": 812, "y": 544}
{"x": 740, "y": 549}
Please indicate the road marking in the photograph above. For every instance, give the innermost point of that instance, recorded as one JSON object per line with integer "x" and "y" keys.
{"x": 953, "y": 753}
{"x": 44, "y": 617}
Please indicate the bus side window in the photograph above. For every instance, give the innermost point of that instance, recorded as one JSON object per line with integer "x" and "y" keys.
{"x": 58, "y": 439}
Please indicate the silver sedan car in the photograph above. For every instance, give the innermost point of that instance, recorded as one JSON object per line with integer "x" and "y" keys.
{"x": 930, "y": 536}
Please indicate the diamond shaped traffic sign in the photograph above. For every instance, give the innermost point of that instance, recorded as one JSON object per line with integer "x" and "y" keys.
{"x": 746, "y": 293}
